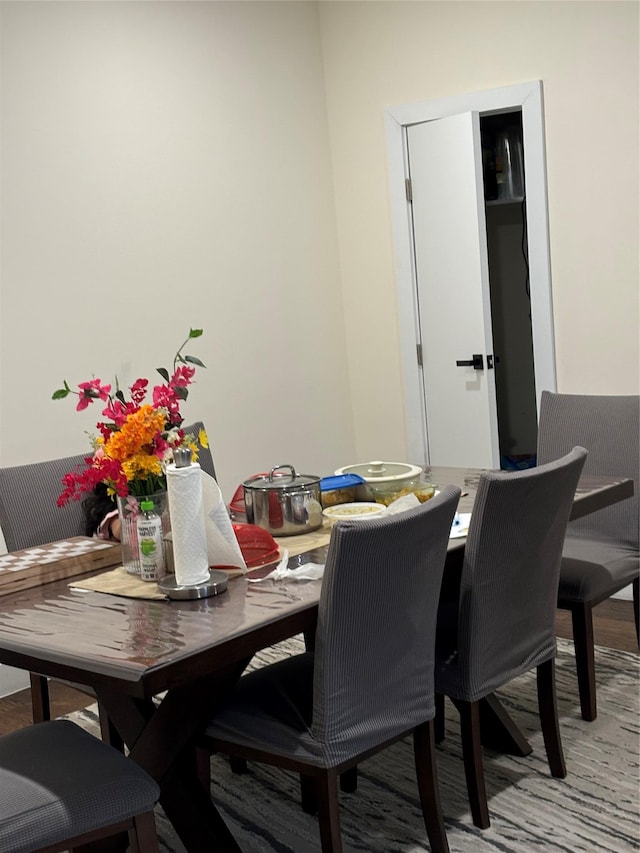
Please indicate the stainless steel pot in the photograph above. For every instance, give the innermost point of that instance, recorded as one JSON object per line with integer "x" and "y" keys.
{"x": 284, "y": 504}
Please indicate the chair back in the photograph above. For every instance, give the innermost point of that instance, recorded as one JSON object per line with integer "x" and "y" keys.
{"x": 29, "y": 514}
{"x": 509, "y": 582}
{"x": 375, "y": 641}
{"x": 205, "y": 457}
{"x": 609, "y": 428}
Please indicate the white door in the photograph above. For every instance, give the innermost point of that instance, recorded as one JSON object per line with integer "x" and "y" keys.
{"x": 401, "y": 120}
{"x": 453, "y": 298}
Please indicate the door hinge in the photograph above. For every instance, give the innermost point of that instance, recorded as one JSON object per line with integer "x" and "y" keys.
{"x": 419, "y": 354}
{"x": 408, "y": 190}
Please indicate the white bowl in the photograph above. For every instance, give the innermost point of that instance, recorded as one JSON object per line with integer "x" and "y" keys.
{"x": 357, "y": 511}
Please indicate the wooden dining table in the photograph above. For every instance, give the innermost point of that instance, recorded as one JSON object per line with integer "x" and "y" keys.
{"x": 189, "y": 652}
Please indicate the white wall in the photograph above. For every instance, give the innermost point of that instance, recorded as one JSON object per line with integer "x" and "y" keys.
{"x": 167, "y": 165}
{"x": 382, "y": 54}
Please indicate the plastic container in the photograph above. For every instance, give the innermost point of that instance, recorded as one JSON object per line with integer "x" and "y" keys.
{"x": 340, "y": 489}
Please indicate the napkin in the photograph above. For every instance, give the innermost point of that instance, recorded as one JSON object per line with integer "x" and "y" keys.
{"x": 308, "y": 572}
{"x": 188, "y": 531}
{"x": 222, "y": 544}
{"x": 460, "y": 526}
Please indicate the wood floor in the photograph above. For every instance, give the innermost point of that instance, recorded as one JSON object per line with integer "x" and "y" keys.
{"x": 613, "y": 627}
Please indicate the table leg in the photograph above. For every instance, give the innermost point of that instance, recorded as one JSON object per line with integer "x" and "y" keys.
{"x": 162, "y": 740}
{"x": 499, "y": 731}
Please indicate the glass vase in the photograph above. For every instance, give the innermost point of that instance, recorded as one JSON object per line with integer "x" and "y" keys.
{"x": 129, "y": 510}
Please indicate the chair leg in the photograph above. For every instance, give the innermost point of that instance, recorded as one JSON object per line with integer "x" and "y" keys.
{"x": 582, "y": 622}
{"x": 328, "y": 812}
{"x": 349, "y": 780}
{"x": 473, "y": 767}
{"x": 40, "y": 701}
{"x": 548, "y": 707}
{"x": 238, "y": 765}
{"x": 424, "y": 750}
{"x": 636, "y": 607}
{"x": 308, "y": 794}
{"x": 203, "y": 768}
{"x": 143, "y": 837}
{"x": 439, "y": 718}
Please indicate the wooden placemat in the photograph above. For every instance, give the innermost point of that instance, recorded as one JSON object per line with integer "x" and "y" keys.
{"x": 302, "y": 542}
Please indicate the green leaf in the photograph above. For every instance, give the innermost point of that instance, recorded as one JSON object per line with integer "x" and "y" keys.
{"x": 164, "y": 373}
{"x": 195, "y": 333}
{"x": 193, "y": 360}
{"x": 60, "y": 394}
{"x": 120, "y": 396}
{"x": 181, "y": 392}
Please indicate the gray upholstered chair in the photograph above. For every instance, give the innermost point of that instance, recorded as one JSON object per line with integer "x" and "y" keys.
{"x": 29, "y": 514}
{"x": 205, "y": 457}
{"x": 369, "y": 681}
{"x": 60, "y": 788}
{"x": 600, "y": 555}
{"x": 502, "y": 622}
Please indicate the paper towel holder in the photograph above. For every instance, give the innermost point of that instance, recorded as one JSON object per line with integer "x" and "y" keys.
{"x": 214, "y": 585}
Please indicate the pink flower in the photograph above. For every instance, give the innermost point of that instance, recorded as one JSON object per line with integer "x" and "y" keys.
{"x": 90, "y": 391}
{"x": 139, "y": 390}
{"x": 164, "y": 397}
{"x": 182, "y": 377}
{"x": 118, "y": 412}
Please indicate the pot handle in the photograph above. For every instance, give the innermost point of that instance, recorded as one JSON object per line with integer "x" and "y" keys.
{"x": 278, "y": 467}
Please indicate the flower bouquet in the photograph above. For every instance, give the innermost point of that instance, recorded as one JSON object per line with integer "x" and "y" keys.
{"x": 136, "y": 439}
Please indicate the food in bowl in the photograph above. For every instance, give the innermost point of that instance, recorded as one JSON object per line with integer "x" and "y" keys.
{"x": 353, "y": 511}
{"x": 423, "y": 491}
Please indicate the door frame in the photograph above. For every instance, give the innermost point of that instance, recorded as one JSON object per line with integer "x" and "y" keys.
{"x": 526, "y": 97}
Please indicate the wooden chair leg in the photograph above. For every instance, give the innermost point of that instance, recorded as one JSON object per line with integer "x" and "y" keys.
{"x": 424, "y": 749}
{"x": 548, "y": 707}
{"x": 473, "y": 767}
{"x": 40, "y": 701}
{"x": 308, "y": 794}
{"x": 203, "y": 768}
{"x": 143, "y": 837}
{"x": 328, "y": 812}
{"x": 439, "y": 718}
{"x": 582, "y": 622}
{"x": 349, "y": 780}
{"x": 636, "y": 607}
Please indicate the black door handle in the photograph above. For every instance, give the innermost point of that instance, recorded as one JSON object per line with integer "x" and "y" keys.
{"x": 477, "y": 362}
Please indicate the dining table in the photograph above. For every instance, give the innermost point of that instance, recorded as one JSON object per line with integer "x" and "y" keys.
{"x": 160, "y": 668}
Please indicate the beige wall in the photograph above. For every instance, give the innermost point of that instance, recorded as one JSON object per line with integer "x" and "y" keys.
{"x": 167, "y": 165}
{"x": 383, "y": 54}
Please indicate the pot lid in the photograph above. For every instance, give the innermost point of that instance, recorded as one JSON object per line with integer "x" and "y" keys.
{"x": 383, "y": 472}
{"x": 278, "y": 478}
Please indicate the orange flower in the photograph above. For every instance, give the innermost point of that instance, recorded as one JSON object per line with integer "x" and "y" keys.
{"x": 138, "y": 432}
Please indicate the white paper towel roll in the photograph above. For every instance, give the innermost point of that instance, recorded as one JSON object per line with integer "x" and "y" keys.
{"x": 184, "y": 486}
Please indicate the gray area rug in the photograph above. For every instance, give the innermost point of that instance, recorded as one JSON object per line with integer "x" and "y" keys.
{"x": 596, "y": 808}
